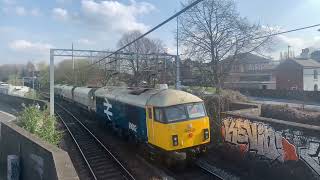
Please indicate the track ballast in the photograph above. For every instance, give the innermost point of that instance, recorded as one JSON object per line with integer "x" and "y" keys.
{"x": 99, "y": 159}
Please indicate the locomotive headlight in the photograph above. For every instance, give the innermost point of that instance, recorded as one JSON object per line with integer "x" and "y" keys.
{"x": 175, "y": 140}
{"x": 205, "y": 134}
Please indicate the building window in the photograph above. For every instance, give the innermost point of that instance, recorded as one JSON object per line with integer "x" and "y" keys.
{"x": 315, "y": 74}
{"x": 264, "y": 87}
{"x": 294, "y": 88}
{"x": 315, "y": 87}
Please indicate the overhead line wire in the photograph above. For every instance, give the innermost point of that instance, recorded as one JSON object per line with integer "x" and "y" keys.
{"x": 148, "y": 32}
{"x": 177, "y": 14}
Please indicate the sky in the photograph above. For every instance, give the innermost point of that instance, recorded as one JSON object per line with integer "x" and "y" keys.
{"x": 29, "y": 28}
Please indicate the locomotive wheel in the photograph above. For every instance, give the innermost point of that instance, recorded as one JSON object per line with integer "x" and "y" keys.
{"x": 204, "y": 150}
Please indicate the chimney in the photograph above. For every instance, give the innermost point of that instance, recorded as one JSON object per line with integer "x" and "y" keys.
{"x": 305, "y": 53}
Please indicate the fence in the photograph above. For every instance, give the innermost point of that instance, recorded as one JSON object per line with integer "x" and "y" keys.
{"x": 312, "y": 96}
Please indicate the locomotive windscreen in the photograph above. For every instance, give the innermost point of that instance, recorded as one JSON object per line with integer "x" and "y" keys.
{"x": 180, "y": 112}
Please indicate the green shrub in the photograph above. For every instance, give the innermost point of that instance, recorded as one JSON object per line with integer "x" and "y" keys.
{"x": 233, "y": 96}
{"x": 40, "y": 123}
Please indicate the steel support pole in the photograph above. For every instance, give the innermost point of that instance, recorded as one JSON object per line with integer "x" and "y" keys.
{"x": 178, "y": 82}
{"x": 33, "y": 90}
{"x": 51, "y": 82}
{"x": 178, "y": 85}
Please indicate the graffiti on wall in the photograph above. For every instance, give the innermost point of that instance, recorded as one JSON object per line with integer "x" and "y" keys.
{"x": 311, "y": 155}
{"x": 13, "y": 165}
{"x": 264, "y": 141}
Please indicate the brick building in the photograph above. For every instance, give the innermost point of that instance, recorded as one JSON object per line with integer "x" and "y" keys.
{"x": 298, "y": 74}
{"x": 252, "y": 71}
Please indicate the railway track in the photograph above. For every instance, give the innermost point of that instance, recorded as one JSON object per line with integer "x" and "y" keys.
{"x": 206, "y": 168}
{"x": 214, "y": 171}
{"x": 200, "y": 170}
{"x": 195, "y": 171}
{"x": 99, "y": 159}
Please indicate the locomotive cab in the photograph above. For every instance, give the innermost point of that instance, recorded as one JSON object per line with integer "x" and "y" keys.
{"x": 178, "y": 127}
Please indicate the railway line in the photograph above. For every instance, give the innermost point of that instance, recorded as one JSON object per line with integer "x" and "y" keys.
{"x": 195, "y": 172}
{"x": 99, "y": 159}
{"x": 199, "y": 170}
{"x": 214, "y": 171}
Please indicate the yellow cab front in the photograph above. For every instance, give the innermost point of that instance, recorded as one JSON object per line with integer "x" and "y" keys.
{"x": 178, "y": 127}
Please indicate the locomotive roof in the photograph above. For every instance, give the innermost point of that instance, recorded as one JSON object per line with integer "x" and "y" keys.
{"x": 171, "y": 97}
{"x": 83, "y": 89}
{"x": 142, "y": 97}
{"x": 67, "y": 87}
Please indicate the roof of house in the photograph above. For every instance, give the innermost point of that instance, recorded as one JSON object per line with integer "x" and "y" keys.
{"x": 307, "y": 63}
{"x": 249, "y": 58}
{"x": 252, "y": 58}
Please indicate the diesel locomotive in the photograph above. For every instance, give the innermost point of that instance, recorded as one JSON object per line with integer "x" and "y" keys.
{"x": 168, "y": 121}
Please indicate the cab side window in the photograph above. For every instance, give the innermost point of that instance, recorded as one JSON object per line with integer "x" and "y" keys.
{"x": 150, "y": 113}
{"x": 159, "y": 116}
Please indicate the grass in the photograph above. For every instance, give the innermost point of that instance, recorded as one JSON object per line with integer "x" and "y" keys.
{"x": 32, "y": 94}
{"x": 210, "y": 90}
{"x": 40, "y": 123}
{"x": 206, "y": 89}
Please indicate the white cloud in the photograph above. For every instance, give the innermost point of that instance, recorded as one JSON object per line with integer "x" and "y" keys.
{"x": 171, "y": 50}
{"x": 60, "y": 14}
{"x": 300, "y": 43}
{"x": 296, "y": 44}
{"x": 27, "y": 46}
{"x": 85, "y": 41}
{"x": 21, "y": 11}
{"x": 106, "y": 16}
{"x": 116, "y": 16}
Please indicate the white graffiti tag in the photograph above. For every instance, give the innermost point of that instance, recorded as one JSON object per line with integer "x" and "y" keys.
{"x": 259, "y": 138}
{"x": 311, "y": 155}
{"x": 265, "y": 141}
{"x": 108, "y": 106}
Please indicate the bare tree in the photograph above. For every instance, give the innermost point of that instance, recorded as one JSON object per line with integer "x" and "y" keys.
{"x": 64, "y": 73}
{"x": 43, "y": 75}
{"x": 141, "y": 64}
{"x": 214, "y": 34}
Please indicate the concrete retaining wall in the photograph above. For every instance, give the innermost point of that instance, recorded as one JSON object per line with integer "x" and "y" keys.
{"x": 312, "y": 96}
{"x": 38, "y": 160}
{"x": 19, "y": 102}
{"x": 293, "y": 147}
{"x": 245, "y": 108}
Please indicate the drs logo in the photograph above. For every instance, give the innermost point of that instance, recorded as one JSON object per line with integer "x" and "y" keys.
{"x": 133, "y": 127}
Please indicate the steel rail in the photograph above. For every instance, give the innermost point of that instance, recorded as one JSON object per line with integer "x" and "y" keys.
{"x": 79, "y": 148}
{"x": 202, "y": 165}
{"x": 126, "y": 174}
